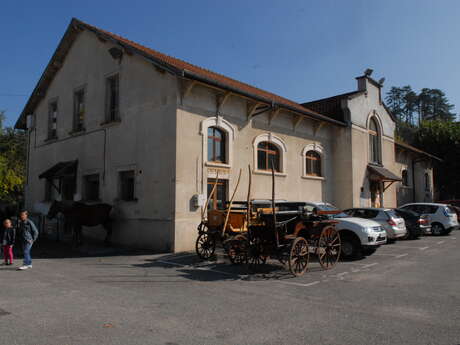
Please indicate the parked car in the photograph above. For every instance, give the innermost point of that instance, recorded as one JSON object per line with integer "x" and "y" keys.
{"x": 358, "y": 236}
{"x": 443, "y": 218}
{"x": 416, "y": 224}
{"x": 393, "y": 224}
{"x": 455, "y": 204}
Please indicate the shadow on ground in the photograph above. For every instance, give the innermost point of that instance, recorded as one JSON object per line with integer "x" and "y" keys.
{"x": 219, "y": 268}
{"x": 51, "y": 249}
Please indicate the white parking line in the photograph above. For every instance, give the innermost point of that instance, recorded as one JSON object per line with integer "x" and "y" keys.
{"x": 370, "y": 265}
{"x": 381, "y": 254}
{"x": 401, "y": 255}
{"x": 408, "y": 247}
{"x": 341, "y": 274}
{"x": 440, "y": 242}
{"x": 298, "y": 284}
{"x": 424, "y": 248}
{"x": 353, "y": 263}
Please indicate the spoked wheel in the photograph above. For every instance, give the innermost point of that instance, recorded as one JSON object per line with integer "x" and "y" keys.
{"x": 328, "y": 250}
{"x": 256, "y": 255}
{"x": 237, "y": 250}
{"x": 205, "y": 246}
{"x": 299, "y": 256}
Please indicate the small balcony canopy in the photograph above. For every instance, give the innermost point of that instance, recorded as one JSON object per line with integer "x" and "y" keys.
{"x": 379, "y": 173}
{"x": 60, "y": 170}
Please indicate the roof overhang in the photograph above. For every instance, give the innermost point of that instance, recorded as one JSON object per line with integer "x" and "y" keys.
{"x": 411, "y": 148}
{"x": 379, "y": 173}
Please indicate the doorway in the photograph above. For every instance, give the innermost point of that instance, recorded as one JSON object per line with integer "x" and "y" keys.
{"x": 219, "y": 197}
{"x": 376, "y": 193}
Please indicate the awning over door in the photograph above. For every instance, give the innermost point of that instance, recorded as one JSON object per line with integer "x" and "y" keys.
{"x": 382, "y": 174}
{"x": 60, "y": 170}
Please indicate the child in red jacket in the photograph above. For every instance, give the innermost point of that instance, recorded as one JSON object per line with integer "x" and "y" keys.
{"x": 9, "y": 237}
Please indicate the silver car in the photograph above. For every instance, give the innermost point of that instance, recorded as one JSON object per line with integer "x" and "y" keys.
{"x": 394, "y": 225}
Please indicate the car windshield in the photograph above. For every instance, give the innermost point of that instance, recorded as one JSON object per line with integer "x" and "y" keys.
{"x": 329, "y": 207}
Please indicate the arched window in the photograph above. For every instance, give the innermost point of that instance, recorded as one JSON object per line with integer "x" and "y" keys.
{"x": 405, "y": 178}
{"x": 216, "y": 145}
{"x": 266, "y": 154}
{"x": 374, "y": 142}
{"x": 313, "y": 163}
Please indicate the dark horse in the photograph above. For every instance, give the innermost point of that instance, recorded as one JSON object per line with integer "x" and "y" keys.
{"x": 78, "y": 214}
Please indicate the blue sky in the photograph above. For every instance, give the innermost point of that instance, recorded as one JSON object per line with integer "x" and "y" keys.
{"x": 302, "y": 50}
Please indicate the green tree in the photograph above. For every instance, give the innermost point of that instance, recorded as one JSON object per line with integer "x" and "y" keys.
{"x": 442, "y": 139}
{"x": 412, "y": 108}
{"x": 12, "y": 162}
{"x": 403, "y": 102}
{"x": 434, "y": 105}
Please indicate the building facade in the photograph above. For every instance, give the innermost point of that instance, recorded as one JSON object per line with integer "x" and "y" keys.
{"x": 112, "y": 121}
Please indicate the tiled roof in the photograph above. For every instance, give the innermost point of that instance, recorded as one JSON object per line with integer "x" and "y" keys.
{"x": 331, "y": 106}
{"x": 414, "y": 149}
{"x": 191, "y": 71}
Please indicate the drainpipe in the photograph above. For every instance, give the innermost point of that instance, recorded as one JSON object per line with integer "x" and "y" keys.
{"x": 413, "y": 180}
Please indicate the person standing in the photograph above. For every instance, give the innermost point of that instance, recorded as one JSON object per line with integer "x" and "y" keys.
{"x": 29, "y": 234}
{"x": 8, "y": 238}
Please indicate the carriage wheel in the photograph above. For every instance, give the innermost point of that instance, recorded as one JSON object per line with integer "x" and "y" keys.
{"x": 237, "y": 250}
{"x": 205, "y": 246}
{"x": 328, "y": 249}
{"x": 299, "y": 256}
{"x": 256, "y": 255}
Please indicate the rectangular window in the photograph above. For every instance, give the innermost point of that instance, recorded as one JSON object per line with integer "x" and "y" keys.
{"x": 219, "y": 198}
{"x": 91, "y": 187}
{"x": 52, "y": 120}
{"x": 79, "y": 110}
{"x": 127, "y": 182}
{"x": 112, "y": 98}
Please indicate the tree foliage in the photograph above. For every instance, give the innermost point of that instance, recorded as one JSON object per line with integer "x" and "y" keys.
{"x": 442, "y": 139}
{"x": 12, "y": 162}
{"x": 411, "y": 108}
{"x": 426, "y": 120}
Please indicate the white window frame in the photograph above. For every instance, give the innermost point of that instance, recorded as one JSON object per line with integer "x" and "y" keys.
{"x": 230, "y": 133}
{"x": 279, "y": 143}
{"x": 318, "y": 148}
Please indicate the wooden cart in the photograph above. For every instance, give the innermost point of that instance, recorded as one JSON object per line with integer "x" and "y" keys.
{"x": 251, "y": 234}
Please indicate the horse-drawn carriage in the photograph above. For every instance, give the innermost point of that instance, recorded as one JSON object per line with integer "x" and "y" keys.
{"x": 251, "y": 232}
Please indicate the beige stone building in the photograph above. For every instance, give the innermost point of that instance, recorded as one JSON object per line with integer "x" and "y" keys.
{"x": 113, "y": 121}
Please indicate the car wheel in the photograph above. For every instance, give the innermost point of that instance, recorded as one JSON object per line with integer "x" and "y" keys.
{"x": 437, "y": 229}
{"x": 408, "y": 235}
{"x": 369, "y": 250}
{"x": 350, "y": 248}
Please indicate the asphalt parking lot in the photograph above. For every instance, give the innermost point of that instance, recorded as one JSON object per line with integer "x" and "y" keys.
{"x": 406, "y": 293}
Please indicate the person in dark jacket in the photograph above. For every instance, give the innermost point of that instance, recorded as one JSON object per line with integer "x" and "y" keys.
{"x": 8, "y": 238}
{"x": 29, "y": 234}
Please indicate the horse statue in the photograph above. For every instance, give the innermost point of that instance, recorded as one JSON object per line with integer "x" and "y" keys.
{"x": 78, "y": 214}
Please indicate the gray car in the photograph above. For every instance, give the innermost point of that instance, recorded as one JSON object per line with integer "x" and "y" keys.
{"x": 394, "y": 225}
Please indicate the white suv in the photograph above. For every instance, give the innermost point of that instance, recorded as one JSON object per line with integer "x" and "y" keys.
{"x": 358, "y": 236}
{"x": 442, "y": 217}
{"x": 394, "y": 225}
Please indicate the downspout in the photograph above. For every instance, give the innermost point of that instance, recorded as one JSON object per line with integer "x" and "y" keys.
{"x": 413, "y": 180}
